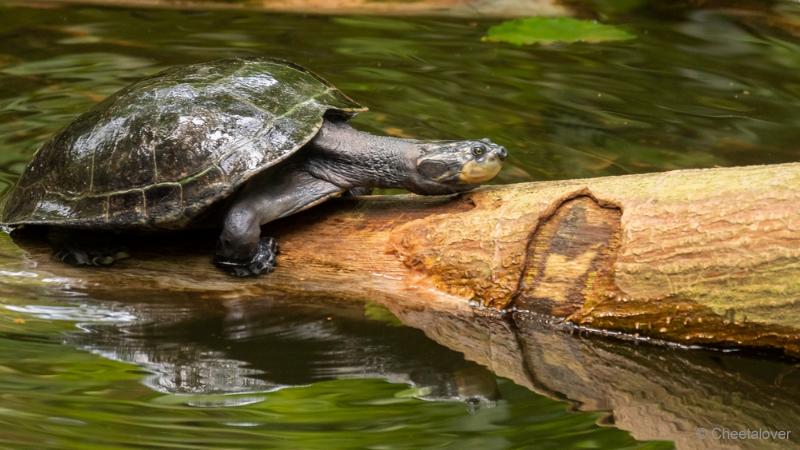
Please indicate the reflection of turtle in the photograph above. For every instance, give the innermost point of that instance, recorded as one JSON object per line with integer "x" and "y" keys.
{"x": 267, "y": 135}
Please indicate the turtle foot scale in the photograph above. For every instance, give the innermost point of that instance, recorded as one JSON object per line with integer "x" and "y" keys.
{"x": 264, "y": 261}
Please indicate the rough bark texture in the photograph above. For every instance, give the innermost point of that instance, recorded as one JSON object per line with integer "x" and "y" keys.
{"x": 696, "y": 257}
{"x": 460, "y": 8}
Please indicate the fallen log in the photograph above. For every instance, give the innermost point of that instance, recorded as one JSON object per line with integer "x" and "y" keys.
{"x": 453, "y": 8}
{"x": 708, "y": 257}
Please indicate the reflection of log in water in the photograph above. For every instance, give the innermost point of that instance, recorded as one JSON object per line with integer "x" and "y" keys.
{"x": 255, "y": 346}
{"x": 654, "y": 392}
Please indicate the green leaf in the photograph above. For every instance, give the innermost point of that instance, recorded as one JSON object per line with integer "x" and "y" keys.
{"x": 374, "y": 311}
{"x": 548, "y": 30}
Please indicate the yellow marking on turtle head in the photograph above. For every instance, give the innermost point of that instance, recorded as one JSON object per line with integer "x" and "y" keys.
{"x": 478, "y": 172}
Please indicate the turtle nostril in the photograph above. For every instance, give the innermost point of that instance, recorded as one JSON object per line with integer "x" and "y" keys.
{"x": 502, "y": 153}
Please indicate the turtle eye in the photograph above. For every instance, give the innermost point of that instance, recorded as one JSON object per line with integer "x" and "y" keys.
{"x": 478, "y": 151}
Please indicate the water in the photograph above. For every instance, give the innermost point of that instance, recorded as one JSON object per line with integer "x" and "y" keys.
{"x": 696, "y": 88}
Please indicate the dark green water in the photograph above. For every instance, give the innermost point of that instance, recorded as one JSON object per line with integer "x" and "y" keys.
{"x": 696, "y": 88}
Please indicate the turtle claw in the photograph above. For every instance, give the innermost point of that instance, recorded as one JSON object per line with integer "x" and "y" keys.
{"x": 264, "y": 261}
{"x": 83, "y": 257}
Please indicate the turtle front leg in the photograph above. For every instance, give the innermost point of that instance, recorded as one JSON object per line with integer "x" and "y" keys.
{"x": 242, "y": 251}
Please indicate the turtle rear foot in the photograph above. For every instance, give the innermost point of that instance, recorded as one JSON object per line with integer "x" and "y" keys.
{"x": 263, "y": 261}
{"x": 90, "y": 257}
{"x": 86, "y": 249}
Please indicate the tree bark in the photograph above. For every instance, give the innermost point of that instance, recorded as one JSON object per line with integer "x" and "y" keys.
{"x": 708, "y": 257}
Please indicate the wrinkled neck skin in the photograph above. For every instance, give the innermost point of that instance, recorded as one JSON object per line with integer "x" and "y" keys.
{"x": 348, "y": 158}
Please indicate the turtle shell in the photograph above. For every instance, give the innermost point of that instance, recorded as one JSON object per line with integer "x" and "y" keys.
{"x": 160, "y": 151}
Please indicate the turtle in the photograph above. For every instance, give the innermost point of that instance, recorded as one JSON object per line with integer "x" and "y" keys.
{"x": 257, "y": 137}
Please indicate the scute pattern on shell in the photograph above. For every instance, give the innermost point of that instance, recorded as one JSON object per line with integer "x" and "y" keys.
{"x": 160, "y": 151}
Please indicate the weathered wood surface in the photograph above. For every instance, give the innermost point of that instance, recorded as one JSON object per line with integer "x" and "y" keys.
{"x": 456, "y": 8}
{"x": 695, "y": 257}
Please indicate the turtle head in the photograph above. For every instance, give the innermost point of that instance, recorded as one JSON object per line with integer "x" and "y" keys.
{"x": 444, "y": 167}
